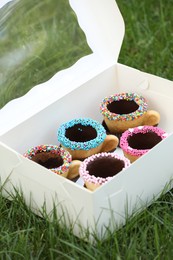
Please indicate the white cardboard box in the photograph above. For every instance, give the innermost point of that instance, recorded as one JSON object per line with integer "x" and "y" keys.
{"x": 77, "y": 92}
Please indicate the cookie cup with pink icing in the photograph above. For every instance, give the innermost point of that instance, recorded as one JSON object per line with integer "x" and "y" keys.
{"x": 137, "y": 141}
{"x": 100, "y": 168}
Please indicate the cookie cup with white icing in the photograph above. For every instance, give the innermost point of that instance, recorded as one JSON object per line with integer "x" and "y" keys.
{"x": 100, "y": 168}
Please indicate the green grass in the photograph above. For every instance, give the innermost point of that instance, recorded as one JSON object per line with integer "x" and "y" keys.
{"x": 24, "y": 235}
{"x": 148, "y": 43}
{"x": 44, "y": 40}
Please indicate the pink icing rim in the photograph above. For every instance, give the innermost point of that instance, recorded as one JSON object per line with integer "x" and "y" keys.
{"x": 84, "y": 173}
{"x": 140, "y": 129}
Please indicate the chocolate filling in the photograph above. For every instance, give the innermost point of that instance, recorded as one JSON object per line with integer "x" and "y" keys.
{"x": 105, "y": 167}
{"x": 81, "y": 133}
{"x": 48, "y": 160}
{"x": 142, "y": 141}
{"x": 122, "y": 106}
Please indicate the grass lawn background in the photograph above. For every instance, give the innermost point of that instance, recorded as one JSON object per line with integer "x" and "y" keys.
{"x": 39, "y": 38}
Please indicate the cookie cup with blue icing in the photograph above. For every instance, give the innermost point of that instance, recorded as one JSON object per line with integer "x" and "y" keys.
{"x": 83, "y": 137}
{"x": 54, "y": 158}
{"x": 122, "y": 111}
{"x": 100, "y": 168}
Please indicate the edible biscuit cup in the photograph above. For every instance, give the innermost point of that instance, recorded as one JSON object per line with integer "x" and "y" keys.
{"x": 100, "y": 168}
{"x": 54, "y": 158}
{"x": 137, "y": 141}
{"x": 84, "y": 137}
{"x": 127, "y": 110}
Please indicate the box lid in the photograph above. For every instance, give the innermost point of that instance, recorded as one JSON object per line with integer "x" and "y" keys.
{"x": 103, "y": 26}
{"x": 4, "y": 2}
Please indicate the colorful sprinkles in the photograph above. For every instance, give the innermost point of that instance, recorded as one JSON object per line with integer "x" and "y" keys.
{"x": 138, "y": 99}
{"x": 54, "y": 149}
{"x": 140, "y": 129}
{"x": 101, "y": 134}
{"x": 84, "y": 173}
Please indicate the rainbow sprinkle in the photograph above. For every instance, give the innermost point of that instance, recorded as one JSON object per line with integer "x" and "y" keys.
{"x": 54, "y": 149}
{"x": 138, "y": 99}
{"x": 140, "y": 129}
{"x": 84, "y": 173}
{"x": 101, "y": 134}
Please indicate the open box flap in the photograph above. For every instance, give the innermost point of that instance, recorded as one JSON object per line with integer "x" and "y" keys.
{"x": 4, "y": 2}
{"x": 103, "y": 25}
{"x": 104, "y": 29}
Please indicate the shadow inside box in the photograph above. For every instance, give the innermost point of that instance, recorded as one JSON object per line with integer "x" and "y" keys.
{"x": 79, "y": 181}
{"x": 108, "y": 133}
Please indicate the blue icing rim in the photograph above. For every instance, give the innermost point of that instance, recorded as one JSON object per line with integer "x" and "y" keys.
{"x": 101, "y": 134}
